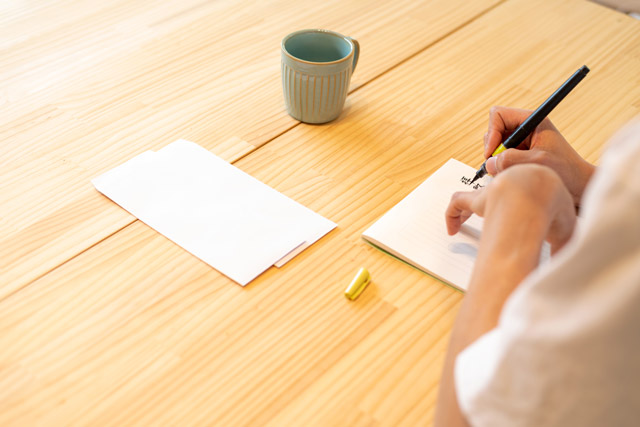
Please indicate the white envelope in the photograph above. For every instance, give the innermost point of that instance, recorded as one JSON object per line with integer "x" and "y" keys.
{"x": 230, "y": 220}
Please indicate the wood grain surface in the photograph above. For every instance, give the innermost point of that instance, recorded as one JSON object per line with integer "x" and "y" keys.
{"x": 128, "y": 328}
{"x": 85, "y": 86}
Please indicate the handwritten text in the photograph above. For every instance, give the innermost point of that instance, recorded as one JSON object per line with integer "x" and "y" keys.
{"x": 467, "y": 181}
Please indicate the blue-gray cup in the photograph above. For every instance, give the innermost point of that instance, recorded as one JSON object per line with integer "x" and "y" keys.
{"x": 316, "y": 71}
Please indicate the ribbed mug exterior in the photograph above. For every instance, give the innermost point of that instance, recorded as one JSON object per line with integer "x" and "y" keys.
{"x": 315, "y": 92}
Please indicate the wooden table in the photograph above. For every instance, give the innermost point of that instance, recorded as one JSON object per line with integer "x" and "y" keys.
{"x": 104, "y": 321}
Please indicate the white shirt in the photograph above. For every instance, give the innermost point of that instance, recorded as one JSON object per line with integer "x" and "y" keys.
{"x": 566, "y": 350}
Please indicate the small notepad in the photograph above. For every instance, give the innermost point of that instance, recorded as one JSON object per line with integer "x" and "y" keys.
{"x": 415, "y": 230}
{"x": 230, "y": 220}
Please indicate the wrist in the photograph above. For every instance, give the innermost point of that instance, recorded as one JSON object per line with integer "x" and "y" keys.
{"x": 515, "y": 234}
{"x": 517, "y": 218}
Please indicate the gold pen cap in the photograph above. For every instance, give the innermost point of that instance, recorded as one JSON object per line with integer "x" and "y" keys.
{"x": 358, "y": 284}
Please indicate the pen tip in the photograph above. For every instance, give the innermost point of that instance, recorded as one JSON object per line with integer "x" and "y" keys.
{"x": 475, "y": 178}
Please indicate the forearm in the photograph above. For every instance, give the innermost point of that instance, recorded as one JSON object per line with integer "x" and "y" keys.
{"x": 510, "y": 253}
{"x": 516, "y": 235}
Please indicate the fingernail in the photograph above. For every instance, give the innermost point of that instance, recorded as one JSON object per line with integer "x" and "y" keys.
{"x": 492, "y": 169}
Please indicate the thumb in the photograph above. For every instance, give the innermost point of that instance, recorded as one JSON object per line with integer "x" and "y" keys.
{"x": 508, "y": 158}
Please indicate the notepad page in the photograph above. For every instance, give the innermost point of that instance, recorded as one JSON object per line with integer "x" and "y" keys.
{"x": 415, "y": 231}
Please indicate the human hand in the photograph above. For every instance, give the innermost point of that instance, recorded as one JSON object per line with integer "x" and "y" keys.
{"x": 545, "y": 146}
{"x": 519, "y": 197}
{"x": 522, "y": 205}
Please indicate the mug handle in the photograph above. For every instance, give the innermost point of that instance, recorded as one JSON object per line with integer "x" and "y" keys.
{"x": 356, "y": 53}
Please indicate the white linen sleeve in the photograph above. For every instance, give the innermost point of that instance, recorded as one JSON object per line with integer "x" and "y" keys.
{"x": 566, "y": 350}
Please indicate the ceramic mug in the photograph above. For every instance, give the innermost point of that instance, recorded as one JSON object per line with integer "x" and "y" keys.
{"x": 316, "y": 71}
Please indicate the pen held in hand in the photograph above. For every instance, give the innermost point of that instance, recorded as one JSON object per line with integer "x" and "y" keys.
{"x": 526, "y": 127}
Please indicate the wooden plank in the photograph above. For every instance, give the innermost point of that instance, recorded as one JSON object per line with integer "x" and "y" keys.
{"x": 86, "y": 85}
{"x": 135, "y": 330}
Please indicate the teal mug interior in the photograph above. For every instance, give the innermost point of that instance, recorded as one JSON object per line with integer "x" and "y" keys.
{"x": 317, "y": 46}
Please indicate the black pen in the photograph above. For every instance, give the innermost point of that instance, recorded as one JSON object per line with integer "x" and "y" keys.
{"x": 535, "y": 118}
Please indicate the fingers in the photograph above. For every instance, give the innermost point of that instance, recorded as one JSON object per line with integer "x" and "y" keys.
{"x": 461, "y": 206}
{"x": 502, "y": 122}
{"x": 513, "y": 157}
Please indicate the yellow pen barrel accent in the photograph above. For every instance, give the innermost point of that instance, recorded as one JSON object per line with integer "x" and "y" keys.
{"x": 499, "y": 150}
{"x": 358, "y": 284}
